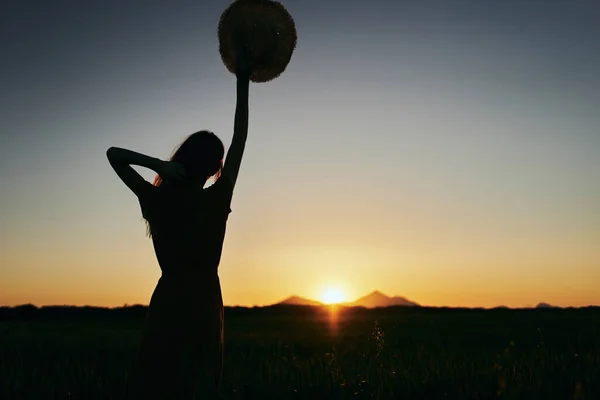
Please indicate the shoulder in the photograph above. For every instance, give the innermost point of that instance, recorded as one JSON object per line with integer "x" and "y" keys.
{"x": 146, "y": 191}
{"x": 221, "y": 192}
{"x": 147, "y": 195}
{"x": 222, "y": 187}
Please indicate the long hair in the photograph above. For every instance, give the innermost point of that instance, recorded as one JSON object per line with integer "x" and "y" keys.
{"x": 201, "y": 154}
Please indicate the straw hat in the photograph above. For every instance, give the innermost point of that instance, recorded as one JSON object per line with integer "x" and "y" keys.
{"x": 267, "y": 31}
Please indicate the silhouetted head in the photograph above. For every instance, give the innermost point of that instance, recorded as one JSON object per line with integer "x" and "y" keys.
{"x": 201, "y": 154}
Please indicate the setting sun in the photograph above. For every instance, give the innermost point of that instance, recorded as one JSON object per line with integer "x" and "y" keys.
{"x": 332, "y": 295}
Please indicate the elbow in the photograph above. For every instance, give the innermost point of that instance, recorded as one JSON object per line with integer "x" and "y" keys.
{"x": 111, "y": 153}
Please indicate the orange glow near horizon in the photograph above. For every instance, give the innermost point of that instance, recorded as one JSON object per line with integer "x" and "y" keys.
{"x": 123, "y": 269}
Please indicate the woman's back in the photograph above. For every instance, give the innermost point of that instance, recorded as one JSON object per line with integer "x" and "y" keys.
{"x": 188, "y": 226}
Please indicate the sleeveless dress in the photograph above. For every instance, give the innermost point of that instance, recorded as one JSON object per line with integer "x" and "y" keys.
{"x": 181, "y": 354}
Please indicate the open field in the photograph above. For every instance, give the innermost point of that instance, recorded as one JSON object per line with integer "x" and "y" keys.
{"x": 291, "y": 352}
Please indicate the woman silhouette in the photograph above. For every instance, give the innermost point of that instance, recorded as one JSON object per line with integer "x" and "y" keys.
{"x": 181, "y": 354}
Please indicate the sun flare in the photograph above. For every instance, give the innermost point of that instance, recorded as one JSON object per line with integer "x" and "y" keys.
{"x": 332, "y": 295}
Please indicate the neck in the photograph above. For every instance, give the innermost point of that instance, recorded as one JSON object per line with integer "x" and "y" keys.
{"x": 188, "y": 183}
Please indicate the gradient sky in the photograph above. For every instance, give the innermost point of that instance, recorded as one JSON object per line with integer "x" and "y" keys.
{"x": 443, "y": 151}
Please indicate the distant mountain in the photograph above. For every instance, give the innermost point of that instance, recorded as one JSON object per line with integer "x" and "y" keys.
{"x": 545, "y": 305}
{"x": 378, "y": 299}
{"x": 372, "y": 300}
{"x": 299, "y": 301}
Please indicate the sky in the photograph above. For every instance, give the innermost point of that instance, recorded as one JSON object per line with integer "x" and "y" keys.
{"x": 444, "y": 151}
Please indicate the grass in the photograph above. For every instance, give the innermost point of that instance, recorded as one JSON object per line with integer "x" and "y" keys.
{"x": 311, "y": 353}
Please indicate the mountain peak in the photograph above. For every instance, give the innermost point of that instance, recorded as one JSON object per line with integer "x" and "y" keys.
{"x": 378, "y": 299}
{"x": 300, "y": 301}
{"x": 377, "y": 293}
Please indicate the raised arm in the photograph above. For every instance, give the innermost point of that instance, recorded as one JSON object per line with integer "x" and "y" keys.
{"x": 233, "y": 160}
{"x": 121, "y": 160}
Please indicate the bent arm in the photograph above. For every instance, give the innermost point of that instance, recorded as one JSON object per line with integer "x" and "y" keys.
{"x": 233, "y": 161}
{"x": 122, "y": 159}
